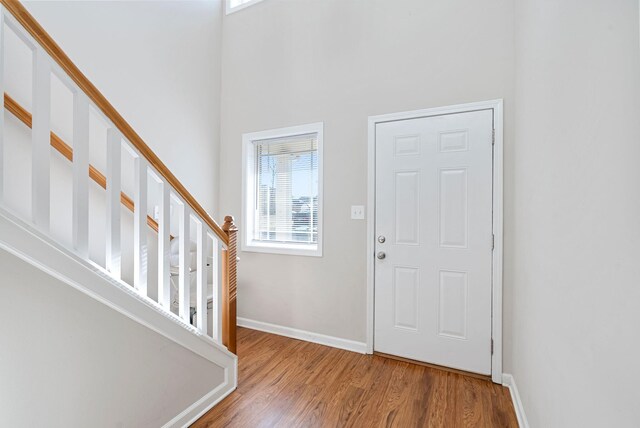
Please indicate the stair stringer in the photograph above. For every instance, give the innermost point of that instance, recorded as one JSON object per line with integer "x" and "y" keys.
{"x": 31, "y": 245}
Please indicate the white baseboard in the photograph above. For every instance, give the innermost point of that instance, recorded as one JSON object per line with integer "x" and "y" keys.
{"x": 294, "y": 333}
{"x": 509, "y": 382}
{"x": 203, "y": 405}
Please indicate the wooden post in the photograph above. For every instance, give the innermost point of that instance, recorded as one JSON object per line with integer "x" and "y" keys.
{"x": 230, "y": 286}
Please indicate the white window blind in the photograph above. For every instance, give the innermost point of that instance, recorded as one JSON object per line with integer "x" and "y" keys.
{"x": 286, "y": 205}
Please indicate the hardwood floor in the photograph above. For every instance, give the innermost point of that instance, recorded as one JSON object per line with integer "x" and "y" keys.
{"x": 289, "y": 383}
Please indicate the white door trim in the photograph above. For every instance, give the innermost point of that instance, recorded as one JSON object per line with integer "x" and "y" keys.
{"x": 496, "y": 322}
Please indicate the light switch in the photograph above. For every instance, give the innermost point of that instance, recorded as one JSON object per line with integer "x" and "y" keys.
{"x": 357, "y": 212}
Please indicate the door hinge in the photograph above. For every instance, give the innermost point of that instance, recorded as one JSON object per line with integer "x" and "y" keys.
{"x": 491, "y": 346}
{"x": 493, "y": 136}
{"x": 493, "y": 242}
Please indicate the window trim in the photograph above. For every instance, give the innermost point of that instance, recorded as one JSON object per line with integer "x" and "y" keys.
{"x": 248, "y": 192}
{"x": 229, "y": 10}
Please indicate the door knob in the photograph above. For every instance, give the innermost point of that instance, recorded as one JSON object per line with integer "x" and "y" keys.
{"x": 381, "y": 255}
{"x": 381, "y": 239}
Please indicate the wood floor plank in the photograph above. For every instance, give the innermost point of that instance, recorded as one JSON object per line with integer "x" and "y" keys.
{"x": 471, "y": 404}
{"x": 380, "y": 374}
{"x": 326, "y": 381}
{"x": 285, "y": 382}
{"x": 413, "y": 410}
{"x": 396, "y": 392}
{"x": 262, "y": 386}
{"x": 439, "y": 401}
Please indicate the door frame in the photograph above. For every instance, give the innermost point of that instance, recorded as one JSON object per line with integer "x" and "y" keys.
{"x": 497, "y": 256}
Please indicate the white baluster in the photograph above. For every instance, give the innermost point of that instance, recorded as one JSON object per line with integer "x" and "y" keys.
{"x": 184, "y": 274}
{"x": 114, "y": 255}
{"x": 2, "y": 110}
{"x": 201, "y": 287}
{"x": 80, "y": 217}
{"x": 216, "y": 304}
{"x": 41, "y": 127}
{"x": 164, "y": 274}
{"x": 140, "y": 248}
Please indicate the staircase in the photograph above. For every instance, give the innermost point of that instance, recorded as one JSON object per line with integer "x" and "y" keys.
{"x": 178, "y": 276}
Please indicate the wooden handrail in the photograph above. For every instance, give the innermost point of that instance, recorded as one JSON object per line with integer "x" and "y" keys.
{"x": 40, "y": 35}
{"x": 65, "y": 150}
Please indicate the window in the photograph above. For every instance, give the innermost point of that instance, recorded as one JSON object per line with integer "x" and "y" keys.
{"x": 283, "y": 191}
{"x": 236, "y": 5}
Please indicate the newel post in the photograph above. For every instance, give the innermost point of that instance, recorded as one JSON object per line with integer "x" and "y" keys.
{"x": 230, "y": 285}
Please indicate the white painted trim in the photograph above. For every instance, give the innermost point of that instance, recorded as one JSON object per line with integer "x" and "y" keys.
{"x": 248, "y": 192}
{"x": 113, "y": 189}
{"x": 498, "y": 212}
{"x": 371, "y": 225}
{"x": 229, "y": 10}
{"x": 26, "y": 242}
{"x": 164, "y": 245}
{"x": 184, "y": 262}
{"x": 80, "y": 165}
{"x": 294, "y": 333}
{"x": 40, "y": 141}
{"x": 195, "y": 411}
{"x": 496, "y": 105}
{"x": 510, "y": 382}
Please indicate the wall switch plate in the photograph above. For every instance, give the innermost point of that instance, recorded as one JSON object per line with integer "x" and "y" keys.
{"x": 357, "y": 212}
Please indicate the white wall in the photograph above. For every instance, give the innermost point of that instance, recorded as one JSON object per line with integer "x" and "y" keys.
{"x": 158, "y": 63}
{"x": 293, "y": 62}
{"x": 67, "y": 360}
{"x": 570, "y": 76}
{"x": 576, "y": 240}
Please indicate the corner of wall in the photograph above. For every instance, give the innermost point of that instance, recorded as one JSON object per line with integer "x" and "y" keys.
{"x": 510, "y": 382}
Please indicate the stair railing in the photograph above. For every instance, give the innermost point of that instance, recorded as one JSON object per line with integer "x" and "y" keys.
{"x": 48, "y": 59}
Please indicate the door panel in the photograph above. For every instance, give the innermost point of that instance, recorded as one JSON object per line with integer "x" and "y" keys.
{"x": 407, "y": 205}
{"x": 405, "y": 293}
{"x": 434, "y": 209}
{"x": 453, "y": 208}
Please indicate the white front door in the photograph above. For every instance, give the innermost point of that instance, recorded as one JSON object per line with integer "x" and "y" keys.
{"x": 434, "y": 239}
